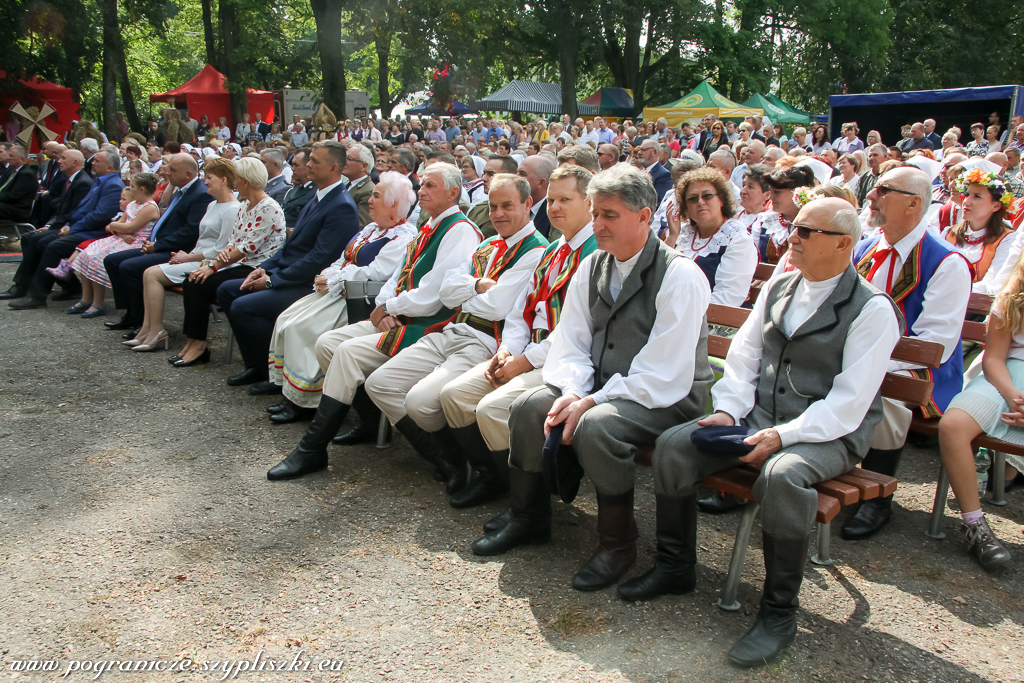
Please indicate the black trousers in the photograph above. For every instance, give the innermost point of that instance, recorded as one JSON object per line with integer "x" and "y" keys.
{"x": 42, "y": 250}
{"x": 199, "y": 297}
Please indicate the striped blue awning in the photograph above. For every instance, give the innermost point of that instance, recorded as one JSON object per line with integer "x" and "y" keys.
{"x": 531, "y": 96}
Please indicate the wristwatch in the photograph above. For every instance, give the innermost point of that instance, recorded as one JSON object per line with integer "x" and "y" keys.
{"x": 384, "y": 307}
{"x": 270, "y": 285}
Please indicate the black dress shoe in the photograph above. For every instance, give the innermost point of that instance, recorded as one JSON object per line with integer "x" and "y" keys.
{"x": 132, "y": 334}
{"x": 292, "y": 413}
{"x": 26, "y": 304}
{"x": 264, "y": 388}
{"x": 66, "y": 295}
{"x": 203, "y": 359}
{"x": 173, "y": 359}
{"x": 278, "y": 407}
{"x": 125, "y": 323}
{"x": 870, "y": 518}
{"x": 247, "y": 376}
{"x": 718, "y": 503}
{"x": 15, "y": 292}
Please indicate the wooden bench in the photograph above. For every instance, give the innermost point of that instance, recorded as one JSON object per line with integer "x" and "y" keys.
{"x": 979, "y": 304}
{"x": 854, "y": 486}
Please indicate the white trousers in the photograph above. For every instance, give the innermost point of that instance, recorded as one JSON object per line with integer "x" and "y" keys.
{"x": 347, "y": 356}
{"x": 471, "y": 398}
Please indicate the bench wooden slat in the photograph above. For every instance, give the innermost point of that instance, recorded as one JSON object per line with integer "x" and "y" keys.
{"x": 868, "y": 489}
{"x": 728, "y": 316}
{"x": 764, "y": 271}
{"x": 918, "y": 352}
{"x": 907, "y": 389}
{"x": 980, "y": 303}
{"x": 887, "y": 483}
{"x": 828, "y": 508}
{"x": 988, "y": 442}
{"x": 922, "y": 425}
{"x": 735, "y": 480}
{"x": 973, "y": 331}
{"x": 846, "y": 494}
{"x": 718, "y": 346}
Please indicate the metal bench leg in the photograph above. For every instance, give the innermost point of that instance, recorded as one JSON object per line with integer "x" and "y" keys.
{"x": 938, "y": 507}
{"x": 213, "y": 310}
{"x": 231, "y": 345}
{"x": 998, "y": 495}
{"x": 728, "y": 600}
{"x": 824, "y": 557}
{"x": 384, "y": 432}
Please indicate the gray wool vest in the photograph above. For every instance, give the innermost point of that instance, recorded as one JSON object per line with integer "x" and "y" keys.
{"x": 799, "y": 370}
{"x": 622, "y": 327}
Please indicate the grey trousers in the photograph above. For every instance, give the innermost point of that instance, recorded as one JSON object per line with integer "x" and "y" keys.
{"x": 606, "y": 440}
{"x": 788, "y": 503}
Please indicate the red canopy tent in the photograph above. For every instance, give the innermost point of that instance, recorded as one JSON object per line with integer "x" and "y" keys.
{"x": 34, "y": 92}
{"x": 206, "y": 94}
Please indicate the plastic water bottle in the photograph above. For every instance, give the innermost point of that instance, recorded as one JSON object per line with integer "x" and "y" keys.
{"x": 982, "y": 462}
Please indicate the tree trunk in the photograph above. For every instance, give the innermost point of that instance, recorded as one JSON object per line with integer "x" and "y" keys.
{"x": 212, "y": 58}
{"x": 110, "y": 44}
{"x": 382, "y": 43}
{"x": 229, "y": 31}
{"x": 567, "y": 68}
{"x": 327, "y": 14}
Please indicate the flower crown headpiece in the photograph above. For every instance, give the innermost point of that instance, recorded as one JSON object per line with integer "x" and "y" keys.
{"x": 802, "y": 196}
{"x": 987, "y": 179}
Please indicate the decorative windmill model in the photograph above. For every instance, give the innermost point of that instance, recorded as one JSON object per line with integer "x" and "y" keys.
{"x": 33, "y": 119}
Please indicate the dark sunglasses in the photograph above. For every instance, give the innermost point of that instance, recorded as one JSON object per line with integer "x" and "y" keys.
{"x": 707, "y": 197}
{"x": 804, "y": 232}
{"x": 883, "y": 190}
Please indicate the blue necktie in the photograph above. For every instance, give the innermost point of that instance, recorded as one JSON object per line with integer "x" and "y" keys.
{"x": 170, "y": 207}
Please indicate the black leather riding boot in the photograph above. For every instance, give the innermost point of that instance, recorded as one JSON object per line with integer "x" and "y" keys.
{"x": 675, "y": 568}
{"x": 491, "y": 480}
{"x": 775, "y": 626}
{"x": 529, "y": 517}
{"x": 616, "y": 550}
{"x": 369, "y": 419}
{"x": 311, "y": 453}
{"x": 873, "y": 514}
{"x": 433, "y": 447}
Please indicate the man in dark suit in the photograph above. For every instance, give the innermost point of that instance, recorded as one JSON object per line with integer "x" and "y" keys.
{"x": 302, "y": 189}
{"x": 648, "y": 156}
{"x": 176, "y": 230}
{"x": 88, "y": 221}
{"x": 325, "y": 226}
{"x": 360, "y": 185}
{"x": 18, "y": 189}
{"x": 89, "y": 147}
{"x": 261, "y": 127}
{"x": 51, "y": 184}
{"x": 404, "y": 161}
{"x": 537, "y": 169}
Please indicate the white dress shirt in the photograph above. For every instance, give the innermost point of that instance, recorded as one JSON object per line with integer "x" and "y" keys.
{"x": 736, "y": 269}
{"x": 516, "y": 338}
{"x": 945, "y": 300}
{"x": 536, "y": 208}
{"x": 659, "y": 376}
{"x": 974, "y": 252}
{"x": 320, "y": 194}
{"x": 383, "y": 266}
{"x": 1004, "y": 272}
{"x": 455, "y": 248}
{"x": 459, "y": 289}
{"x": 866, "y": 352}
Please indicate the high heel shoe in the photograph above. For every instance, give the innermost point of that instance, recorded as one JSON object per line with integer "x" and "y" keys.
{"x": 161, "y": 336}
{"x": 203, "y": 358}
{"x": 135, "y": 341}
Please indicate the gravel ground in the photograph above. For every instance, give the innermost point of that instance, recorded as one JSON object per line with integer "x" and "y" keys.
{"x": 137, "y": 523}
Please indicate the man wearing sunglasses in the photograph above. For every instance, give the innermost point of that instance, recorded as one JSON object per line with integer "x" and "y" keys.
{"x": 802, "y": 384}
{"x": 931, "y": 283}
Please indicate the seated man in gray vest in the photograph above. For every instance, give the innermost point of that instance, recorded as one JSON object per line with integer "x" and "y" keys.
{"x": 803, "y": 379}
{"x": 627, "y": 361}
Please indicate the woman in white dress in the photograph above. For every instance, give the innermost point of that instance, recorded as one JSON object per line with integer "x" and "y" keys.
{"x": 214, "y": 230}
{"x": 704, "y": 230}
{"x": 373, "y": 255}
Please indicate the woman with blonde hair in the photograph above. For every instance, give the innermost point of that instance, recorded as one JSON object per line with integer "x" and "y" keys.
{"x": 541, "y": 135}
{"x": 372, "y": 256}
{"x": 258, "y": 233}
{"x": 873, "y": 138}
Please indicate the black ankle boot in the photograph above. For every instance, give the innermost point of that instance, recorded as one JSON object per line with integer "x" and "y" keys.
{"x": 491, "y": 480}
{"x": 498, "y": 522}
{"x": 432, "y": 447}
{"x": 529, "y": 517}
{"x": 369, "y": 419}
{"x": 311, "y": 453}
{"x": 873, "y": 514}
{"x": 675, "y": 567}
{"x": 775, "y": 626}
{"x": 616, "y": 550}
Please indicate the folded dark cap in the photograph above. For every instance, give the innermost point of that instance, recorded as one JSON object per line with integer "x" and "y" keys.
{"x": 722, "y": 440}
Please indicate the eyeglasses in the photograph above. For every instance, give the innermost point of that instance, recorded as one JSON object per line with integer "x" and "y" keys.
{"x": 883, "y": 190}
{"x": 706, "y": 197}
{"x": 804, "y": 232}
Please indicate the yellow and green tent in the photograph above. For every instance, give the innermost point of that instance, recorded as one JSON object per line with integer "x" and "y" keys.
{"x": 700, "y": 102}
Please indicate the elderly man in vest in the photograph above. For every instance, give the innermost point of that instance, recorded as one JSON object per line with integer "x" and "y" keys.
{"x": 627, "y": 361}
{"x": 476, "y": 404}
{"x": 802, "y": 384}
{"x": 407, "y": 304}
{"x": 483, "y": 292}
{"x": 931, "y": 283}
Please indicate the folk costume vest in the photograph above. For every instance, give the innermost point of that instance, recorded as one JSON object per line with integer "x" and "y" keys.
{"x": 988, "y": 252}
{"x": 550, "y": 293}
{"x": 419, "y": 260}
{"x": 623, "y": 326}
{"x": 908, "y": 289}
{"x": 800, "y": 369}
